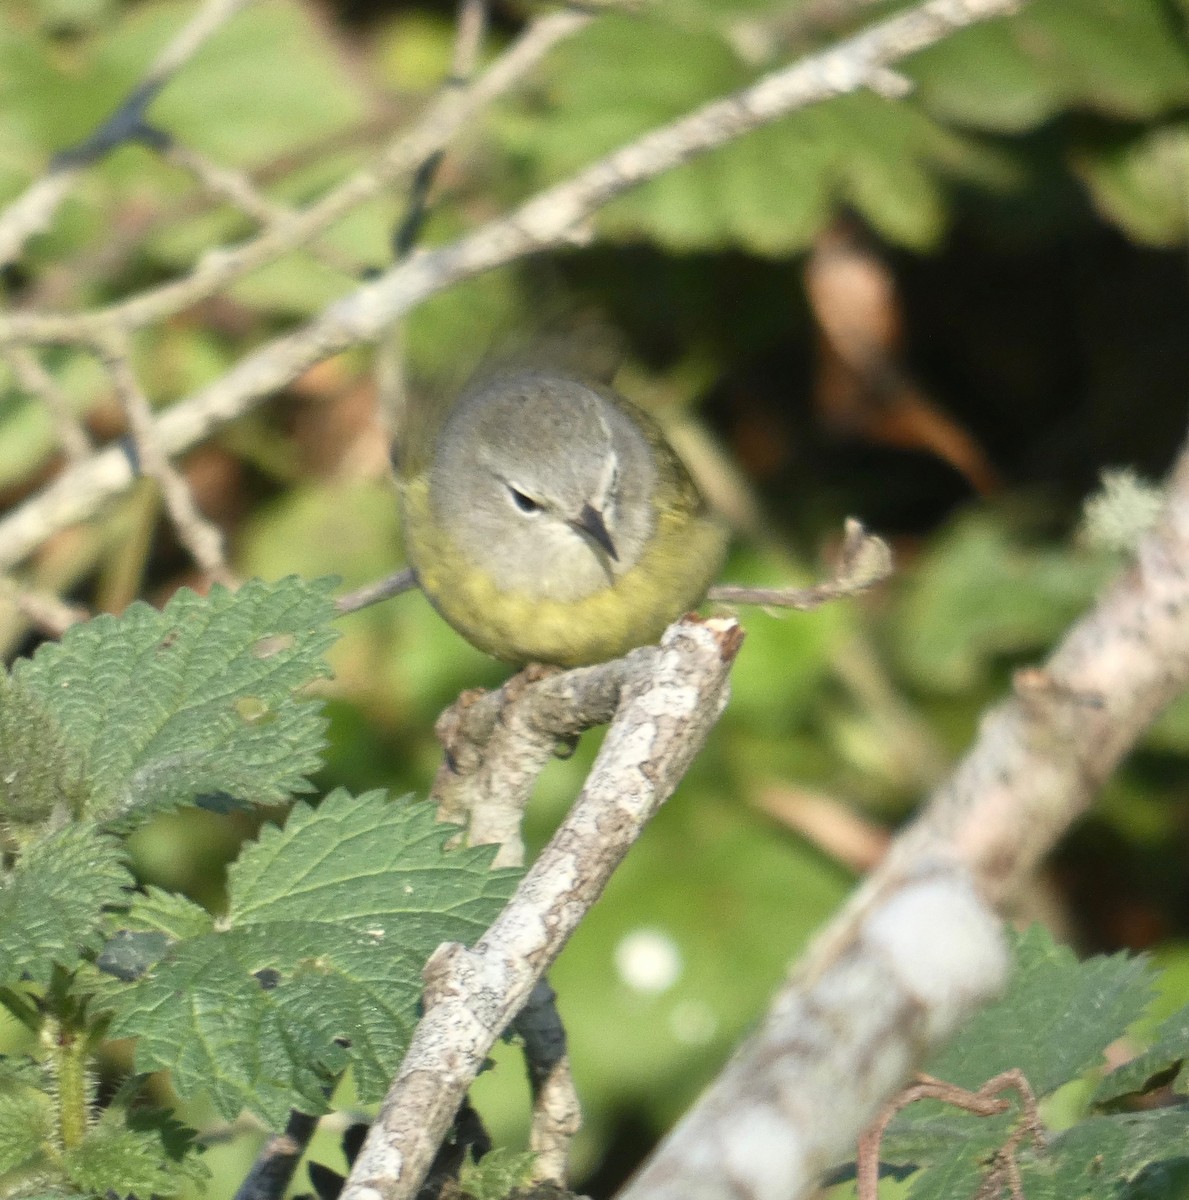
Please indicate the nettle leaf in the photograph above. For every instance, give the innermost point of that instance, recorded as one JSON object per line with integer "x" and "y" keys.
{"x": 1097, "y": 1157}
{"x": 143, "y": 935}
{"x": 1055, "y": 1022}
{"x": 40, "y": 772}
{"x": 26, "y": 1127}
{"x": 200, "y": 699}
{"x": 1163, "y": 1063}
{"x": 127, "y": 1153}
{"x": 331, "y": 920}
{"x": 53, "y": 901}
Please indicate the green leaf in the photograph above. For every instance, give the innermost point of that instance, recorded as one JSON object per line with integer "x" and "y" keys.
{"x": 41, "y": 773}
{"x": 202, "y": 1015}
{"x": 330, "y": 922}
{"x": 980, "y": 593}
{"x": 1057, "y": 1018}
{"x": 1096, "y": 1157}
{"x": 1123, "y": 60}
{"x": 1164, "y": 1060}
{"x": 955, "y": 1166}
{"x": 1137, "y": 179}
{"x": 769, "y": 191}
{"x": 497, "y": 1174}
{"x": 200, "y": 699}
{"x": 145, "y": 932}
{"x": 26, "y": 1125}
{"x": 52, "y": 902}
{"x": 131, "y": 1154}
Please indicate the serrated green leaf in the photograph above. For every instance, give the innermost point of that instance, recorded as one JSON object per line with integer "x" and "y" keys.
{"x": 1092, "y": 1160}
{"x": 26, "y": 1124}
{"x": 201, "y": 698}
{"x": 957, "y": 1171}
{"x": 52, "y": 902}
{"x": 1165, "y": 1059}
{"x": 40, "y": 771}
{"x": 331, "y": 919}
{"x": 1096, "y": 1157}
{"x": 165, "y": 912}
{"x": 119, "y": 1158}
{"x": 203, "y": 1015}
{"x": 1057, "y": 1018}
{"x": 497, "y": 1174}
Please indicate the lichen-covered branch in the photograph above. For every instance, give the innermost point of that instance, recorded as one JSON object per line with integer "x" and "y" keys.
{"x": 918, "y": 945}
{"x": 668, "y": 698}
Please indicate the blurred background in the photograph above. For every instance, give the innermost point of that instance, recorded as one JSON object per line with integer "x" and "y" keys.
{"x": 946, "y": 314}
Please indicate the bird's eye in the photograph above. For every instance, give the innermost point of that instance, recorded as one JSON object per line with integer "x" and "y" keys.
{"x": 526, "y": 504}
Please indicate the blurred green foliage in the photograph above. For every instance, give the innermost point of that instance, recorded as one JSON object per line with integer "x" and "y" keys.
{"x": 1028, "y": 195}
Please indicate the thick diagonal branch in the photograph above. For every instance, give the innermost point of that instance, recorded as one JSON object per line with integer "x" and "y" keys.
{"x": 918, "y": 945}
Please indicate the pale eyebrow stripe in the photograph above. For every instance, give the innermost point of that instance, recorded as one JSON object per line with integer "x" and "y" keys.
{"x": 607, "y": 479}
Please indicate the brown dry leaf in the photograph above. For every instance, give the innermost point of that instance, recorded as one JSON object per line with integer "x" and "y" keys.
{"x": 862, "y": 389}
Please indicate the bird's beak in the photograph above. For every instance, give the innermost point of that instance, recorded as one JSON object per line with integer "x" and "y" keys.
{"x": 590, "y": 522}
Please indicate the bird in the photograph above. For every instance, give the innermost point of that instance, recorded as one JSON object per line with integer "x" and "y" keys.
{"x": 548, "y": 520}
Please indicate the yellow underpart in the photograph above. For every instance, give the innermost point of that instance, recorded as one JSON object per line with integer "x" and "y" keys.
{"x": 671, "y": 577}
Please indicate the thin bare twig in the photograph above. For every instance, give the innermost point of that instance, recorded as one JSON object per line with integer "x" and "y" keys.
{"x": 237, "y": 189}
{"x": 35, "y": 379}
{"x": 864, "y": 561}
{"x": 32, "y": 211}
{"x": 201, "y": 537}
{"x": 548, "y": 220}
{"x": 987, "y": 1101}
{"x": 470, "y": 27}
{"x": 220, "y": 267}
{"x": 44, "y": 610}
{"x": 372, "y": 593}
{"x": 670, "y": 697}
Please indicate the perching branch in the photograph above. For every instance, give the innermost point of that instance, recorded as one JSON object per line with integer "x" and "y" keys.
{"x": 550, "y": 219}
{"x": 667, "y": 699}
{"x": 918, "y": 945}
